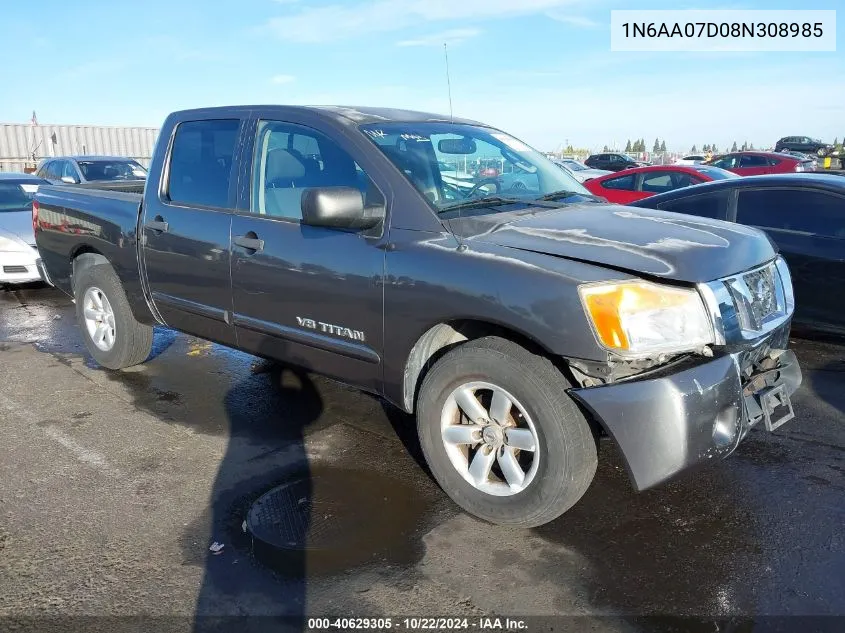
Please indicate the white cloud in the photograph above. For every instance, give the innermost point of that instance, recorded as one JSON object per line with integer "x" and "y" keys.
{"x": 282, "y": 79}
{"x": 454, "y": 36}
{"x": 339, "y": 21}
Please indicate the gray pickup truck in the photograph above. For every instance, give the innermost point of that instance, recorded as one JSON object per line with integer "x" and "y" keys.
{"x": 519, "y": 320}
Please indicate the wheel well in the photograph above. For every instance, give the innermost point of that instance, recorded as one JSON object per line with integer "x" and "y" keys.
{"x": 84, "y": 258}
{"x": 443, "y": 337}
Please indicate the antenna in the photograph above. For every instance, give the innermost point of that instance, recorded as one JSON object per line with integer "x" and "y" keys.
{"x": 448, "y": 81}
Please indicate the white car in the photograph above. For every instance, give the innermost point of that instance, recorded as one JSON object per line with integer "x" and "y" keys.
{"x": 692, "y": 159}
{"x": 579, "y": 170}
{"x": 18, "y": 254}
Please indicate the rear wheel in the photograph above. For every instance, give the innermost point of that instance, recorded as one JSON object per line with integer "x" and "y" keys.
{"x": 501, "y": 435}
{"x": 112, "y": 335}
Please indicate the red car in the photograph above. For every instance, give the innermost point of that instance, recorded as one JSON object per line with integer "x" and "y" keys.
{"x": 756, "y": 163}
{"x": 642, "y": 182}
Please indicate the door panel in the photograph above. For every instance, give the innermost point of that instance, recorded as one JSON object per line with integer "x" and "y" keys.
{"x": 817, "y": 265}
{"x": 311, "y": 296}
{"x": 188, "y": 270}
{"x": 186, "y": 231}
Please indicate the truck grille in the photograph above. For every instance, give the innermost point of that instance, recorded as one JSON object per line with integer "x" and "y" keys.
{"x": 14, "y": 269}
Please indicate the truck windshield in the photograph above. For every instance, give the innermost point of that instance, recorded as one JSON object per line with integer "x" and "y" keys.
{"x": 491, "y": 164}
{"x": 14, "y": 198}
{"x": 112, "y": 170}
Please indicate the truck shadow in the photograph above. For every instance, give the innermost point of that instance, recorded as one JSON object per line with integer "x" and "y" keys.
{"x": 232, "y": 586}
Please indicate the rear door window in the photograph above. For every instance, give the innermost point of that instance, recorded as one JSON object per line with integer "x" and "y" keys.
{"x": 753, "y": 161}
{"x": 660, "y": 181}
{"x": 711, "y": 205}
{"x": 54, "y": 170}
{"x": 201, "y": 163}
{"x": 69, "y": 170}
{"x": 793, "y": 210}
{"x": 625, "y": 183}
{"x": 730, "y": 161}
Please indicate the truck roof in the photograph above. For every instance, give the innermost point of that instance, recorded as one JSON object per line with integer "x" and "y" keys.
{"x": 84, "y": 157}
{"x": 359, "y": 115}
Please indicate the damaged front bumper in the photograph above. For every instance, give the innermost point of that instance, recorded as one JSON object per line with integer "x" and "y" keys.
{"x": 681, "y": 416}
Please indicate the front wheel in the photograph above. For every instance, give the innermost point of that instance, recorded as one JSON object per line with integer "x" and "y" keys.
{"x": 501, "y": 435}
{"x": 112, "y": 335}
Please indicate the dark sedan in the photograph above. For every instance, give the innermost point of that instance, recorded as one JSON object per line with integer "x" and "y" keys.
{"x": 804, "y": 214}
{"x": 613, "y": 161}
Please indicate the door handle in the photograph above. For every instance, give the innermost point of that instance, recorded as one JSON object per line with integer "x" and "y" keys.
{"x": 158, "y": 224}
{"x": 250, "y": 242}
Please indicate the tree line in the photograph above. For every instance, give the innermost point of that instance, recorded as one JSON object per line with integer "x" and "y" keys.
{"x": 639, "y": 146}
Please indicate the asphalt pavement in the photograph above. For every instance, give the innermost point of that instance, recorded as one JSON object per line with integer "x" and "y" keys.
{"x": 114, "y": 485}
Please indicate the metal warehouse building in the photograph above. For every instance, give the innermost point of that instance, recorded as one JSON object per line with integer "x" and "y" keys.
{"x": 22, "y": 145}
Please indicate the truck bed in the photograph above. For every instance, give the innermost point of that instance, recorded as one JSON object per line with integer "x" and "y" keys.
{"x": 82, "y": 218}
{"x": 128, "y": 186}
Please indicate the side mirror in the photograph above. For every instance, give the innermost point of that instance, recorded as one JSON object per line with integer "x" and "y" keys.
{"x": 69, "y": 180}
{"x": 339, "y": 208}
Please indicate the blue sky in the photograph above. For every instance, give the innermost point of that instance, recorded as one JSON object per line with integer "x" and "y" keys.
{"x": 540, "y": 69}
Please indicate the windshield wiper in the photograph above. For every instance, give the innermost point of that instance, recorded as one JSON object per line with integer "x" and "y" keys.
{"x": 563, "y": 194}
{"x": 486, "y": 201}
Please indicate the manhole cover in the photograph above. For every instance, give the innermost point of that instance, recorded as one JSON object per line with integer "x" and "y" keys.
{"x": 289, "y": 517}
{"x": 336, "y": 519}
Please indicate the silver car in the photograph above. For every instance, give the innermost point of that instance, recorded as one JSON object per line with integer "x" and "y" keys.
{"x": 81, "y": 169}
{"x": 18, "y": 255}
{"x": 579, "y": 170}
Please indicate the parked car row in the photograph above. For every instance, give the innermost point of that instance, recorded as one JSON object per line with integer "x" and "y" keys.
{"x": 758, "y": 163}
{"x": 82, "y": 169}
{"x": 641, "y": 182}
{"x": 18, "y": 254}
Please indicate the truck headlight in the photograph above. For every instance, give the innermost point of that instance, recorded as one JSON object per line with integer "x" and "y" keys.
{"x": 13, "y": 245}
{"x": 639, "y": 318}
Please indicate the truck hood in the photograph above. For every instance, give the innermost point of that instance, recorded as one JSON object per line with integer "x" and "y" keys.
{"x": 650, "y": 242}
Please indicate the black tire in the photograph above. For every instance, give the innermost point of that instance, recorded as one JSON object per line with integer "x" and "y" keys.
{"x": 132, "y": 340}
{"x": 567, "y": 446}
